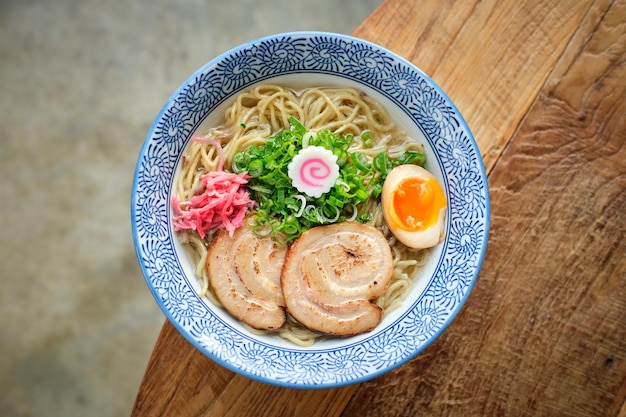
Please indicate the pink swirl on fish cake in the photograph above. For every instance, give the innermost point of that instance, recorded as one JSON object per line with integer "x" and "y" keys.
{"x": 310, "y": 171}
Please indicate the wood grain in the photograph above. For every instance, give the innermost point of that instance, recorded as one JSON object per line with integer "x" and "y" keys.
{"x": 491, "y": 57}
{"x": 541, "y": 84}
{"x": 180, "y": 381}
{"x": 544, "y": 331}
{"x": 191, "y": 368}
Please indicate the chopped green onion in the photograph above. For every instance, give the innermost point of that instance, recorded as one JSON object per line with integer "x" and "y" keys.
{"x": 410, "y": 157}
{"x": 335, "y": 201}
{"x": 297, "y": 127}
{"x": 282, "y": 211}
{"x": 255, "y": 168}
{"x": 367, "y": 139}
{"x": 260, "y": 188}
{"x": 360, "y": 161}
{"x": 376, "y": 190}
{"x": 240, "y": 162}
{"x": 383, "y": 164}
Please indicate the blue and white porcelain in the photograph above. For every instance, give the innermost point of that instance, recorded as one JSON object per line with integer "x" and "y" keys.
{"x": 423, "y": 110}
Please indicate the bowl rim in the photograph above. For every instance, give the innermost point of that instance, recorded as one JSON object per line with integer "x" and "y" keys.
{"x": 470, "y": 141}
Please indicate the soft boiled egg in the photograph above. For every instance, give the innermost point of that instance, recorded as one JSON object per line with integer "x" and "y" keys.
{"x": 414, "y": 206}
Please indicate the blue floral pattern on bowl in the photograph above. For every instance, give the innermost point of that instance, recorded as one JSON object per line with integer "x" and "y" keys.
{"x": 446, "y": 133}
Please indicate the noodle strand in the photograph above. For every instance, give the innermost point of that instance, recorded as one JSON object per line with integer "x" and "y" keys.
{"x": 257, "y": 114}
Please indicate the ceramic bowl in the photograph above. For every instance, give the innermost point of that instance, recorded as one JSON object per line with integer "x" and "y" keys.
{"x": 423, "y": 110}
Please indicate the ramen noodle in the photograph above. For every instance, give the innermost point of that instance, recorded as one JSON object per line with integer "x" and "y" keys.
{"x": 256, "y": 115}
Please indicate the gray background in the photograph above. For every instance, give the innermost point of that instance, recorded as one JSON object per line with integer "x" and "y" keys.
{"x": 80, "y": 84}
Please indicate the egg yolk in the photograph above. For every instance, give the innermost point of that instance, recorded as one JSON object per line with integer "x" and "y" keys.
{"x": 417, "y": 202}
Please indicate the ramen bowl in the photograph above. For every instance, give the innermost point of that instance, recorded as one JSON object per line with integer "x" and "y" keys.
{"x": 424, "y": 112}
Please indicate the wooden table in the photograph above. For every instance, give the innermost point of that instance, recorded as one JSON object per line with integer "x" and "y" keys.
{"x": 542, "y": 84}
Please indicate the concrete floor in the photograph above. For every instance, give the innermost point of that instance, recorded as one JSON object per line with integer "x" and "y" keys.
{"x": 80, "y": 83}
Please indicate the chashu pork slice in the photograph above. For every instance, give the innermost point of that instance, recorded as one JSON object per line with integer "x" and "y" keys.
{"x": 331, "y": 275}
{"x": 244, "y": 273}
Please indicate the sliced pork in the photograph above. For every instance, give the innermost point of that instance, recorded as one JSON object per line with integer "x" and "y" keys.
{"x": 331, "y": 275}
{"x": 244, "y": 273}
